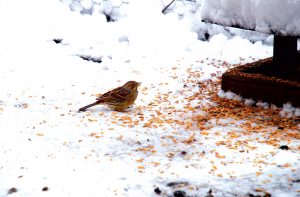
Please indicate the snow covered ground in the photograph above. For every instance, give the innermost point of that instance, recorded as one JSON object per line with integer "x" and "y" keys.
{"x": 183, "y": 137}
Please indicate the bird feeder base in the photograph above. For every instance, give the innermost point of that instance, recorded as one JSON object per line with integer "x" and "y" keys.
{"x": 265, "y": 81}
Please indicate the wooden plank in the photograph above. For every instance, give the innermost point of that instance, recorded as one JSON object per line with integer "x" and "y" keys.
{"x": 272, "y": 31}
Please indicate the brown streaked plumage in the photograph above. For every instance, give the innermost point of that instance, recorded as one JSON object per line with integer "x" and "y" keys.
{"x": 119, "y": 98}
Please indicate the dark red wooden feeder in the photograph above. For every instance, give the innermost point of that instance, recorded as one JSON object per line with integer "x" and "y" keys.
{"x": 275, "y": 80}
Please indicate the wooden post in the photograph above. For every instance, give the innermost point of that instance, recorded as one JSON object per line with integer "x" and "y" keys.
{"x": 285, "y": 53}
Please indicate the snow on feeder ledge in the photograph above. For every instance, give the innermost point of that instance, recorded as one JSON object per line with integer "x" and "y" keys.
{"x": 275, "y": 79}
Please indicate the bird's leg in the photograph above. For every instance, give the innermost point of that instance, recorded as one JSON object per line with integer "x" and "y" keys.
{"x": 119, "y": 109}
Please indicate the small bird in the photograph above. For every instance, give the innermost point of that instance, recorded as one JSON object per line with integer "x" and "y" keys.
{"x": 119, "y": 98}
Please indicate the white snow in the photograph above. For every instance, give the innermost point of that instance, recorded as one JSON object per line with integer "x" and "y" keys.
{"x": 268, "y": 16}
{"x": 179, "y": 135}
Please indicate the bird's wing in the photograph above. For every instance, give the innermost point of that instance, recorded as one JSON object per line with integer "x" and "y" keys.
{"x": 119, "y": 94}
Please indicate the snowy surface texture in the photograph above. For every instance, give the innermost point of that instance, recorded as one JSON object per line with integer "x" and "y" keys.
{"x": 268, "y": 16}
{"x": 183, "y": 136}
{"x": 186, "y": 10}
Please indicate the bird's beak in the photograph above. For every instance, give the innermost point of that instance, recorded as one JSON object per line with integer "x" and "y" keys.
{"x": 139, "y": 83}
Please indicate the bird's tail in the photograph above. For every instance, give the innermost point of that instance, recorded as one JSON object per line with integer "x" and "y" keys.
{"x": 88, "y": 106}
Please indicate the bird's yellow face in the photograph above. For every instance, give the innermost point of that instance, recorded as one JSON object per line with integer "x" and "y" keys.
{"x": 133, "y": 85}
